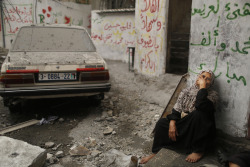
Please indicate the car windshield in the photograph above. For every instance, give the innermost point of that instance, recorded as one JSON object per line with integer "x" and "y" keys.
{"x": 57, "y": 39}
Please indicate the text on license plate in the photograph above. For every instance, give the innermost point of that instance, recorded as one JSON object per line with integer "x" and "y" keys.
{"x": 57, "y": 76}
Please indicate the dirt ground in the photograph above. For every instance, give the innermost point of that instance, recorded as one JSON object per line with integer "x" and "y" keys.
{"x": 131, "y": 109}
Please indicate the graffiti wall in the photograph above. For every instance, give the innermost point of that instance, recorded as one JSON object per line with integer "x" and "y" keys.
{"x": 220, "y": 41}
{"x": 151, "y": 36}
{"x": 113, "y": 33}
{"x": 18, "y": 13}
{"x": 64, "y": 13}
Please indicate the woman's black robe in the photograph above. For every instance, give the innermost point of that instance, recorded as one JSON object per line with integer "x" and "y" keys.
{"x": 196, "y": 131}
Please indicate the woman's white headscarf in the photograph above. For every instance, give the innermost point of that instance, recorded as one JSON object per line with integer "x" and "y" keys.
{"x": 186, "y": 100}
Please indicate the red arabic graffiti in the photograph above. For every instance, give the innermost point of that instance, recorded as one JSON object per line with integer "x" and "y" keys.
{"x": 109, "y": 27}
{"x": 148, "y": 43}
{"x": 89, "y": 17}
{"x": 18, "y": 15}
{"x": 129, "y": 42}
{"x": 18, "y": 10}
{"x": 148, "y": 63}
{"x": 17, "y": 19}
{"x": 153, "y": 5}
{"x": 108, "y": 39}
{"x": 13, "y": 31}
{"x": 95, "y": 37}
{"x": 148, "y": 25}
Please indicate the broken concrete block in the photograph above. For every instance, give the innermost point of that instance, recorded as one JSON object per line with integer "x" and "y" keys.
{"x": 59, "y": 154}
{"x": 116, "y": 158}
{"x": 16, "y": 153}
{"x": 49, "y": 144}
{"x": 49, "y": 156}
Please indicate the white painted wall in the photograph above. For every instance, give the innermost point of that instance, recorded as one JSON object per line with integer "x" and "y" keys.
{"x": 19, "y": 13}
{"x": 220, "y": 41}
{"x": 113, "y": 33}
{"x": 151, "y": 36}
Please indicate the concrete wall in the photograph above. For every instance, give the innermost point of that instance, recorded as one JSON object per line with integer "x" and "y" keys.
{"x": 112, "y": 33}
{"x": 151, "y": 36}
{"x": 220, "y": 41}
{"x": 19, "y": 13}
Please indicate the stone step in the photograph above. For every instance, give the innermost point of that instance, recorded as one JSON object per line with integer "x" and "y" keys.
{"x": 169, "y": 158}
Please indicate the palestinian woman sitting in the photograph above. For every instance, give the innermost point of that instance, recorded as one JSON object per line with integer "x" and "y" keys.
{"x": 191, "y": 125}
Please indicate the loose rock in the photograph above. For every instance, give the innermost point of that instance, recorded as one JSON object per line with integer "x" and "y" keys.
{"x": 59, "y": 154}
{"x": 49, "y": 144}
{"x": 110, "y": 113}
{"x": 79, "y": 150}
{"x": 49, "y": 156}
{"x": 55, "y": 148}
{"x": 108, "y": 131}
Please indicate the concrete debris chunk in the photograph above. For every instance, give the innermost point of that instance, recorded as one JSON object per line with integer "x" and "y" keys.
{"x": 116, "y": 158}
{"x": 49, "y": 156}
{"x": 59, "y": 154}
{"x": 96, "y": 153}
{"x": 110, "y": 113}
{"x": 51, "y": 159}
{"x": 108, "y": 131}
{"x": 16, "y": 153}
{"x": 92, "y": 142}
{"x": 56, "y": 147}
{"x": 79, "y": 150}
{"x": 49, "y": 144}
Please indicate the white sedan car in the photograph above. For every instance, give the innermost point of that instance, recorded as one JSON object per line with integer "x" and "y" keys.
{"x": 50, "y": 61}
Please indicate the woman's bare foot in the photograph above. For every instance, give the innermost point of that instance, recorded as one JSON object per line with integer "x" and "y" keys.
{"x": 233, "y": 165}
{"x": 146, "y": 159}
{"x": 194, "y": 157}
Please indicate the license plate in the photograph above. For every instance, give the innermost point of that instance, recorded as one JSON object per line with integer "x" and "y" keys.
{"x": 57, "y": 76}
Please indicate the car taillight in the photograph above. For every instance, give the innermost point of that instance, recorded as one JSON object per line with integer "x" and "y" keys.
{"x": 90, "y": 69}
{"x": 95, "y": 76}
{"x": 16, "y": 78}
{"x": 22, "y": 71}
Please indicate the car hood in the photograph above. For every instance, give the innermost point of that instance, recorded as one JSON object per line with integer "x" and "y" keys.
{"x": 51, "y": 58}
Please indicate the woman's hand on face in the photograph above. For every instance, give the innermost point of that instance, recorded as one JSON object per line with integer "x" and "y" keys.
{"x": 201, "y": 82}
{"x": 172, "y": 133}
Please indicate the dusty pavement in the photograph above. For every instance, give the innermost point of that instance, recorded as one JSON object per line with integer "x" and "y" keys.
{"x": 129, "y": 111}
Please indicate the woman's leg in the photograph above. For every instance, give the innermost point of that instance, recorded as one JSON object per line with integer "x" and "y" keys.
{"x": 161, "y": 139}
{"x": 199, "y": 132}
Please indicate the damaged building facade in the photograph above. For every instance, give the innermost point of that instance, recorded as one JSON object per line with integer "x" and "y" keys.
{"x": 15, "y": 14}
{"x": 169, "y": 36}
{"x": 178, "y": 37}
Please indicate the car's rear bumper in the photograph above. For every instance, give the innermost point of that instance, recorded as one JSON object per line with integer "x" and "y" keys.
{"x": 55, "y": 90}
